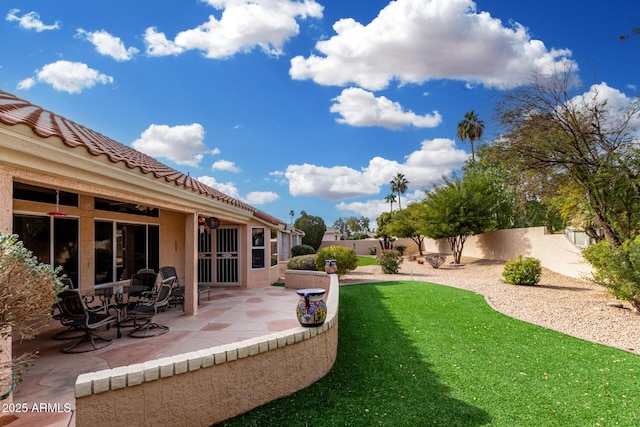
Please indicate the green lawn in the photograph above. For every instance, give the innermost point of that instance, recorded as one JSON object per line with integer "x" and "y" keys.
{"x": 366, "y": 260}
{"x": 418, "y": 354}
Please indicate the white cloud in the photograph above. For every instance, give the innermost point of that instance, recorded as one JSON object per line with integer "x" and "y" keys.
{"x": 359, "y": 107}
{"x": 618, "y": 106}
{"x": 414, "y": 41}
{"x": 227, "y": 188}
{"x": 182, "y": 144}
{"x": 225, "y": 165}
{"x": 107, "y": 44}
{"x": 31, "y": 21}
{"x": 422, "y": 168}
{"x": 66, "y": 76}
{"x": 159, "y": 45}
{"x": 243, "y": 25}
{"x": 261, "y": 197}
{"x": 27, "y": 83}
{"x": 370, "y": 209}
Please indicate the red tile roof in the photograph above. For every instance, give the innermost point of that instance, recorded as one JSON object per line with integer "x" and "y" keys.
{"x": 14, "y": 111}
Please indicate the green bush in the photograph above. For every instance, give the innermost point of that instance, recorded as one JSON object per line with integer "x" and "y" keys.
{"x": 346, "y": 258}
{"x": 525, "y": 271}
{"x": 302, "y": 250}
{"x": 302, "y": 262}
{"x": 390, "y": 261}
{"x": 617, "y": 269}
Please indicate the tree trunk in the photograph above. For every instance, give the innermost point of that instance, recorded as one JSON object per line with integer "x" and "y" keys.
{"x": 457, "y": 244}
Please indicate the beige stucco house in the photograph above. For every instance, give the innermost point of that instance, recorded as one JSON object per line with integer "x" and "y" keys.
{"x": 124, "y": 211}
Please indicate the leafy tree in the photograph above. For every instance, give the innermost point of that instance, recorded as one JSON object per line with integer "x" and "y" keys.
{"x": 634, "y": 32}
{"x": 470, "y": 128}
{"x": 399, "y": 185}
{"x": 340, "y": 226}
{"x": 383, "y": 236}
{"x": 409, "y": 223}
{"x": 460, "y": 208}
{"x": 520, "y": 201}
{"x": 582, "y": 143}
{"x": 313, "y": 227}
{"x": 391, "y": 199}
{"x": 352, "y": 226}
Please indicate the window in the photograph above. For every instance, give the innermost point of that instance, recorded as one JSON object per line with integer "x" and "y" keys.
{"x": 258, "y": 248}
{"x": 122, "y": 249}
{"x": 274, "y": 247}
{"x": 53, "y": 240}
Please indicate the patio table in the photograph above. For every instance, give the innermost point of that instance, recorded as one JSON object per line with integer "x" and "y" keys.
{"x": 120, "y": 297}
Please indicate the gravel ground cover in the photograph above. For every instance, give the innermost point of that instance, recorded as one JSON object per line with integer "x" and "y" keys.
{"x": 572, "y": 306}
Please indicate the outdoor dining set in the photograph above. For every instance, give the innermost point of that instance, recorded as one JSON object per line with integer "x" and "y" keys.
{"x": 133, "y": 304}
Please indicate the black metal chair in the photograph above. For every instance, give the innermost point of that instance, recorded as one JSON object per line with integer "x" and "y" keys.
{"x": 146, "y": 311}
{"x": 75, "y": 314}
{"x": 178, "y": 291}
{"x": 144, "y": 283}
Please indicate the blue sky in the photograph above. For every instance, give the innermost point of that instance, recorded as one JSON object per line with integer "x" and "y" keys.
{"x": 307, "y": 105}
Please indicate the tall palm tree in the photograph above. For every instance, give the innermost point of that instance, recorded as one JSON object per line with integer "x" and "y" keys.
{"x": 470, "y": 128}
{"x": 391, "y": 199}
{"x": 291, "y": 214}
{"x": 399, "y": 185}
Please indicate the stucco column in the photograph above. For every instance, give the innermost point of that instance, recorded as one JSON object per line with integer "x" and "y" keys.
{"x": 191, "y": 264}
{"x": 6, "y": 201}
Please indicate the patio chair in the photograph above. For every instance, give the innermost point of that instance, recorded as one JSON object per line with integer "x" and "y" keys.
{"x": 145, "y": 282}
{"x": 168, "y": 271}
{"x": 75, "y": 314}
{"x": 72, "y": 331}
{"x": 148, "y": 310}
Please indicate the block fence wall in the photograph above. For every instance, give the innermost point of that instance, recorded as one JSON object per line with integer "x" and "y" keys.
{"x": 554, "y": 251}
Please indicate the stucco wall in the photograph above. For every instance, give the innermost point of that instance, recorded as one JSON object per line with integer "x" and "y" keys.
{"x": 300, "y": 279}
{"x": 554, "y": 251}
{"x": 204, "y": 387}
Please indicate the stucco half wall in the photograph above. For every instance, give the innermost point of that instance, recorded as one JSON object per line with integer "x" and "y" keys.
{"x": 554, "y": 251}
{"x": 208, "y": 386}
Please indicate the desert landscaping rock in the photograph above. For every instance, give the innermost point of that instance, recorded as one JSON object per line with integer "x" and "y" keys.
{"x": 571, "y": 306}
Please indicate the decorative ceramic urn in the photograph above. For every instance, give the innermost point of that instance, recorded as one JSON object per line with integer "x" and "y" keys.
{"x": 330, "y": 266}
{"x": 311, "y": 309}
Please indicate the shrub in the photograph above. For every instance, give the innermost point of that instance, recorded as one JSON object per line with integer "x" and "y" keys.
{"x": 346, "y": 258}
{"x": 302, "y": 250}
{"x": 436, "y": 260}
{"x": 390, "y": 261}
{"x": 617, "y": 269}
{"x": 522, "y": 271}
{"x": 28, "y": 289}
{"x": 372, "y": 250}
{"x": 302, "y": 262}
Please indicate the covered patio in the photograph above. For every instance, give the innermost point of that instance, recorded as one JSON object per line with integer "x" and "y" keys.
{"x": 232, "y": 315}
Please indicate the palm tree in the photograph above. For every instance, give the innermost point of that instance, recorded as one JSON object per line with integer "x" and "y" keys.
{"x": 291, "y": 214}
{"x": 399, "y": 185}
{"x": 391, "y": 199}
{"x": 470, "y": 128}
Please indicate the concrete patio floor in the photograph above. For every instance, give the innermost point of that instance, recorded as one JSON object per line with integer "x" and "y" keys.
{"x": 232, "y": 314}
